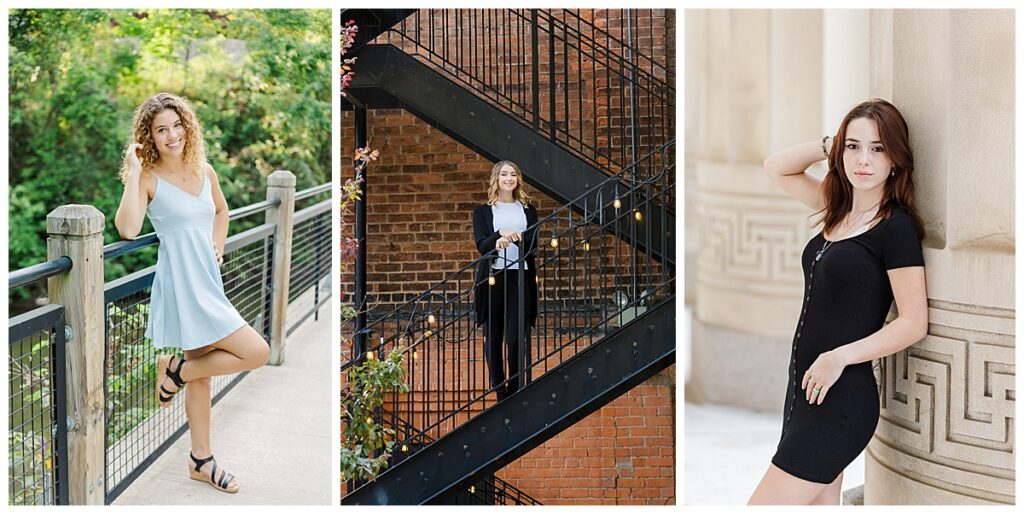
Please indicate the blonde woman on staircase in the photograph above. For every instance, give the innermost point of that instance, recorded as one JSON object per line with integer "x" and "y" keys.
{"x": 500, "y": 228}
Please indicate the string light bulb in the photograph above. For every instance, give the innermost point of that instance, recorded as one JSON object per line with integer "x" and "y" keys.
{"x": 586, "y": 245}
{"x": 369, "y": 356}
{"x": 472, "y": 489}
{"x": 405, "y": 448}
{"x": 637, "y": 215}
{"x": 415, "y": 355}
{"x": 554, "y": 242}
{"x": 428, "y": 333}
{"x": 431, "y": 319}
{"x": 617, "y": 203}
{"x": 369, "y": 420}
{"x": 490, "y": 280}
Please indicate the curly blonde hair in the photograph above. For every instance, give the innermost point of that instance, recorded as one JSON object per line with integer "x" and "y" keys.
{"x": 518, "y": 193}
{"x": 194, "y": 153}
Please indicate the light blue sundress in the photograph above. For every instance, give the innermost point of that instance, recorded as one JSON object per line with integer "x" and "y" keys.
{"x": 188, "y": 308}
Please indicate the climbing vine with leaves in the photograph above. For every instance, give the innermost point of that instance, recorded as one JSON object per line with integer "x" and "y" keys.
{"x": 365, "y": 445}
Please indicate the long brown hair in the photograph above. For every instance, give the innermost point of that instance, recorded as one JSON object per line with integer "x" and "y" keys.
{"x": 194, "y": 153}
{"x": 518, "y": 193}
{"x": 898, "y": 190}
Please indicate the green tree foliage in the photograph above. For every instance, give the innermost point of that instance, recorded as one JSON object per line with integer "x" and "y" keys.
{"x": 259, "y": 79}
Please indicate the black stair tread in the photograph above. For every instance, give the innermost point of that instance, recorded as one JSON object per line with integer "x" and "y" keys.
{"x": 545, "y": 407}
{"x": 388, "y": 77}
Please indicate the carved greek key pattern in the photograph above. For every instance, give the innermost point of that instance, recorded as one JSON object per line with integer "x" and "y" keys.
{"x": 743, "y": 239}
{"x": 950, "y": 398}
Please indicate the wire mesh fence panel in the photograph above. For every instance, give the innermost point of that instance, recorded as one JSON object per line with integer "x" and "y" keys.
{"x": 37, "y": 436}
{"x": 309, "y": 277}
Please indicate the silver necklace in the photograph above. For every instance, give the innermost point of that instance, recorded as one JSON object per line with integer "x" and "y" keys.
{"x": 823, "y": 248}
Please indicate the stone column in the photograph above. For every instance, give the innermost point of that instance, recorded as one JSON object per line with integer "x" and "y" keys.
{"x": 946, "y": 433}
{"x": 845, "y": 66}
{"x": 760, "y": 91}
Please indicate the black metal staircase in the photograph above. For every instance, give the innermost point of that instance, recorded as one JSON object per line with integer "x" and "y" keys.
{"x": 556, "y": 138}
{"x": 604, "y": 260}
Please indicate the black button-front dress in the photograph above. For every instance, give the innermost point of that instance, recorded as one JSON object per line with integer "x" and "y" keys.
{"x": 847, "y": 297}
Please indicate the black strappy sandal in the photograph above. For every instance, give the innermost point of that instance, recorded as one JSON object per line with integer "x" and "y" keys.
{"x": 163, "y": 367}
{"x": 221, "y": 483}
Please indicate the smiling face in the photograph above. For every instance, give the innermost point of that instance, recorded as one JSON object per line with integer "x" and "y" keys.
{"x": 508, "y": 179}
{"x": 168, "y": 133}
{"x": 865, "y": 161}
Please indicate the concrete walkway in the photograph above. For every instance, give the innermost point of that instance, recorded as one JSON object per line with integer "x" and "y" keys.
{"x": 272, "y": 431}
{"x": 728, "y": 450}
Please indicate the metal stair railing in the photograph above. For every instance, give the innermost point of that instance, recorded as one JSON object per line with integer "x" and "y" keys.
{"x": 555, "y": 71}
{"x": 590, "y": 283}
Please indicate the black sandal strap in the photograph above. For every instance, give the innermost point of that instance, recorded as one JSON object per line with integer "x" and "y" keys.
{"x": 200, "y": 462}
{"x": 175, "y": 375}
{"x": 224, "y": 480}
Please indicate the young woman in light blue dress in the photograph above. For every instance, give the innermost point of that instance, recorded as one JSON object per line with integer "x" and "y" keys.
{"x": 166, "y": 176}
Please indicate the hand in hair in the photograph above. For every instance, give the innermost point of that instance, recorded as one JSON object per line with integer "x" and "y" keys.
{"x": 132, "y": 156}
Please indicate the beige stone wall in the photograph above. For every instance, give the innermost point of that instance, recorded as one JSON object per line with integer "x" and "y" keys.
{"x": 946, "y": 433}
{"x": 759, "y": 81}
{"x": 759, "y": 90}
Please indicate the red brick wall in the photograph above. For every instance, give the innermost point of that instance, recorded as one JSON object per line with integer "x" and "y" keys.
{"x": 419, "y": 210}
{"x": 623, "y": 454}
{"x": 595, "y": 95}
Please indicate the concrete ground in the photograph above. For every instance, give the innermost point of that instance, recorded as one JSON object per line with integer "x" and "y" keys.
{"x": 272, "y": 431}
{"x": 728, "y": 450}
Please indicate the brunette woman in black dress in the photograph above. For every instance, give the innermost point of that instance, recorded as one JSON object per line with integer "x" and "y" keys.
{"x": 500, "y": 230}
{"x": 867, "y": 254}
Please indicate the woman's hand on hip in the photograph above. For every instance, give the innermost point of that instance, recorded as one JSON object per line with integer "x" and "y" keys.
{"x": 511, "y": 235}
{"x": 820, "y": 377}
{"x": 218, "y": 252}
{"x": 502, "y": 243}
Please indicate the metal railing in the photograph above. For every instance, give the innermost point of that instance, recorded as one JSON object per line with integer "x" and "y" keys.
{"x": 38, "y": 438}
{"x": 590, "y": 283}
{"x": 137, "y": 431}
{"x": 596, "y": 91}
{"x": 311, "y": 260}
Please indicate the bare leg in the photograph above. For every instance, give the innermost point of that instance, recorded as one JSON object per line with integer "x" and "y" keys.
{"x": 831, "y": 494}
{"x": 780, "y": 488}
{"x": 197, "y": 407}
{"x": 242, "y": 350}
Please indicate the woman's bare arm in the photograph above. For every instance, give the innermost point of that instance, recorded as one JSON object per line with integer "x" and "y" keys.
{"x": 132, "y": 210}
{"x": 220, "y": 219}
{"x": 787, "y": 170}
{"x": 909, "y": 327}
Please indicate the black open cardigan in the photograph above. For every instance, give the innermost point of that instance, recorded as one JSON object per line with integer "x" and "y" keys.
{"x": 486, "y": 237}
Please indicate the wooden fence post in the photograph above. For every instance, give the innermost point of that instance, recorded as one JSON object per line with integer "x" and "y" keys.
{"x": 77, "y": 232}
{"x": 280, "y": 185}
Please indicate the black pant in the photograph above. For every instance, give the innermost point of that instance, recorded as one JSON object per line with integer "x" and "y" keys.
{"x": 503, "y": 320}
